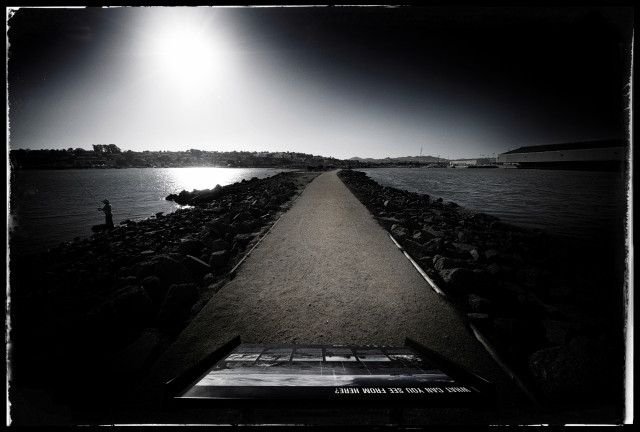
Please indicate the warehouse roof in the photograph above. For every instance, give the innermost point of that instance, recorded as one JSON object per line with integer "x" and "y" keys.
{"x": 570, "y": 146}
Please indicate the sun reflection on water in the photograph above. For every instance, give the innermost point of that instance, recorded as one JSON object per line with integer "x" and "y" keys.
{"x": 208, "y": 177}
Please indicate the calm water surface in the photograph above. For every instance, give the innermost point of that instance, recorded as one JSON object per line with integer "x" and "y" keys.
{"x": 53, "y": 206}
{"x": 579, "y": 205}
{"x": 48, "y": 207}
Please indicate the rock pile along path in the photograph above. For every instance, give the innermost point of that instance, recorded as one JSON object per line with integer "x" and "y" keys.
{"x": 327, "y": 273}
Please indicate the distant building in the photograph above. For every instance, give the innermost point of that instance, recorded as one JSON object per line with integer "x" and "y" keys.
{"x": 590, "y": 155}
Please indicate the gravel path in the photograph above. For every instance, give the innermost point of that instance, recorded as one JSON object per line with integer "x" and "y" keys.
{"x": 327, "y": 273}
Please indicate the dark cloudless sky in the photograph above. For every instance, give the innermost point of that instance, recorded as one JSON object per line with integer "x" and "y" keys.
{"x": 341, "y": 82}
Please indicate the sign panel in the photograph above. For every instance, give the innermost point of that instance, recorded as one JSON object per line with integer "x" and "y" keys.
{"x": 331, "y": 373}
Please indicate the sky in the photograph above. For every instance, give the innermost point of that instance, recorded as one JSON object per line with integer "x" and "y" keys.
{"x": 369, "y": 82}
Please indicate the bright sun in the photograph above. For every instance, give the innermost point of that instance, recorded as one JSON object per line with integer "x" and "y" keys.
{"x": 186, "y": 65}
{"x": 185, "y": 50}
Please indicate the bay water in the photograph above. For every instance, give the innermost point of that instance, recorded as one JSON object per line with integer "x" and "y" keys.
{"x": 582, "y": 207}
{"x": 47, "y": 207}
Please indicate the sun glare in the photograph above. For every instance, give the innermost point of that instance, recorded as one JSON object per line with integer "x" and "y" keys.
{"x": 186, "y": 49}
{"x": 184, "y": 52}
{"x": 202, "y": 177}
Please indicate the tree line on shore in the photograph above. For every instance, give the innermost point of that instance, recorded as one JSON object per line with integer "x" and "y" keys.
{"x": 110, "y": 156}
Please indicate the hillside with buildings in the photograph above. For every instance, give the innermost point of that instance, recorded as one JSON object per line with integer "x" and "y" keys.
{"x": 110, "y": 156}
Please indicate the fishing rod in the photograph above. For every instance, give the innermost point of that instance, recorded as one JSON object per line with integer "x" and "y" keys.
{"x": 130, "y": 210}
{"x": 86, "y": 190}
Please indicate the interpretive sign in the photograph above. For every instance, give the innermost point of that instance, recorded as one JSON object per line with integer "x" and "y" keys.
{"x": 333, "y": 374}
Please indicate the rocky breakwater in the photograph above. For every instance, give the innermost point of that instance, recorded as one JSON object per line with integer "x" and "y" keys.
{"x": 549, "y": 315}
{"x": 89, "y": 317}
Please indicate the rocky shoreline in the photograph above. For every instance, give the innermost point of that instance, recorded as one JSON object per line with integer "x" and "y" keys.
{"x": 551, "y": 314}
{"x": 89, "y": 317}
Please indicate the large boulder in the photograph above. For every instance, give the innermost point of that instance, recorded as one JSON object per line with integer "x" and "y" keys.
{"x": 242, "y": 240}
{"x": 461, "y": 250}
{"x": 219, "y": 245}
{"x": 493, "y": 256}
{"x": 191, "y": 247}
{"x": 558, "y": 332}
{"x": 421, "y": 236}
{"x": 243, "y": 227}
{"x": 577, "y": 372}
{"x": 219, "y": 259}
{"x": 399, "y": 232}
{"x": 132, "y": 309}
{"x": 207, "y": 195}
{"x": 442, "y": 262}
{"x": 123, "y": 281}
{"x": 242, "y": 217}
{"x": 144, "y": 269}
{"x": 387, "y": 222}
{"x": 170, "y": 271}
{"x": 197, "y": 267}
{"x": 414, "y": 248}
{"x": 480, "y": 304}
{"x": 494, "y": 269}
{"x": 533, "y": 277}
{"x": 154, "y": 289}
{"x": 433, "y": 231}
{"x": 221, "y": 228}
{"x": 176, "y": 307}
{"x": 434, "y": 246}
{"x": 459, "y": 281}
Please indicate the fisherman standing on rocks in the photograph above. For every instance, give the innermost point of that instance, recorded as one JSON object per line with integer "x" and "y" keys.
{"x": 107, "y": 213}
